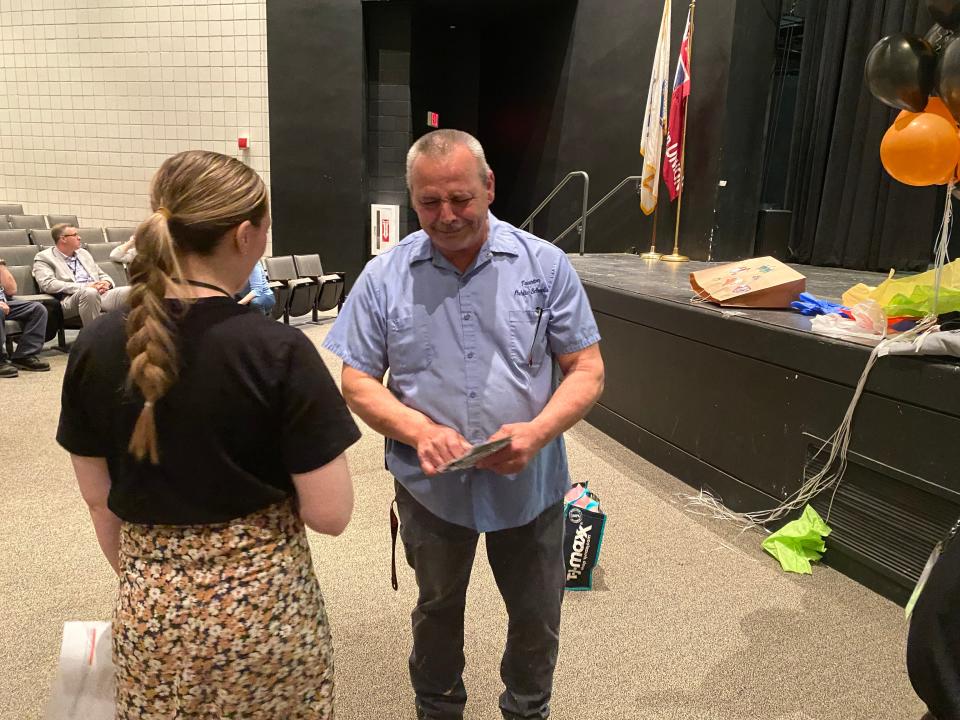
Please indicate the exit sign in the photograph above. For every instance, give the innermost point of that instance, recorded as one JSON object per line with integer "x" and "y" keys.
{"x": 433, "y": 119}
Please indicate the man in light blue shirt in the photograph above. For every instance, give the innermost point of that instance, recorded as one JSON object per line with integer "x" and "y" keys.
{"x": 469, "y": 316}
{"x": 257, "y": 292}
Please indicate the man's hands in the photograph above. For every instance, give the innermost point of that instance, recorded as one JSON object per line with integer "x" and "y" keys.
{"x": 101, "y": 286}
{"x": 4, "y": 308}
{"x": 437, "y": 445}
{"x": 526, "y": 440}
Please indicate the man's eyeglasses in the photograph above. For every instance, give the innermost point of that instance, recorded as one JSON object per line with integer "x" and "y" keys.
{"x": 76, "y": 235}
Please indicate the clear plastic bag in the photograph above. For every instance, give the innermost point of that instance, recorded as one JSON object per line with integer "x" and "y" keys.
{"x": 885, "y": 292}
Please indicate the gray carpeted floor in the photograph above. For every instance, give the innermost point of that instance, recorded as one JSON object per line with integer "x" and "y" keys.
{"x": 689, "y": 618}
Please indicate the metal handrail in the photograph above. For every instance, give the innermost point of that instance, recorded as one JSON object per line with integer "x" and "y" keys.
{"x": 528, "y": 223}
{"x": 602, "y": 200}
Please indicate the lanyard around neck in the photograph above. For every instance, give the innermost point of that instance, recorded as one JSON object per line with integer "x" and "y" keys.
{"x": 198, "y": 283}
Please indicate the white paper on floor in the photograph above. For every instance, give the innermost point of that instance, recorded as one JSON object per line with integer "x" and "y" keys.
{"x": 83, "y": 688}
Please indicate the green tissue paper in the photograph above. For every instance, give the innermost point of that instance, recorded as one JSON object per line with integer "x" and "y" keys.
{"x": 798, "y": 542}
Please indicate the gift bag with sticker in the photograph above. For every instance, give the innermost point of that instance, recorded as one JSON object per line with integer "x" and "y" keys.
{"x": 582, "y": 536}
{"x": 762, "y": 282}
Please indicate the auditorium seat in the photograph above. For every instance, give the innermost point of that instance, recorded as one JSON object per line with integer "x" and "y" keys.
{"x": 10, "y": 209}
{"x": 19, "y": 254}
{"x": 14, "y": 237}
{"x": 11, "y": 330}
{"x": 27, "y": 290}
{"x": 300, "y": 294}
{"x": 330, "y": 286}
{"x": 40, "y": 237}
{"x": 26, "y": 222}
{"x": 116, "y": 271}
{"x": 101, "y": 250}
{"x": 119, "y": 234}
{"x": 71, "y": 220}
{"x": 91, "y": 235}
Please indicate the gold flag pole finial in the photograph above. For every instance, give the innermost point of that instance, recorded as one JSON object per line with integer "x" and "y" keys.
{"x": 675, "y": 256}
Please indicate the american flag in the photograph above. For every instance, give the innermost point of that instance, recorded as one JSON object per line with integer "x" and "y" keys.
{"x": 672, "y": 171}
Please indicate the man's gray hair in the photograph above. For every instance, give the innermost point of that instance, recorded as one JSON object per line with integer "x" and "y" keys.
{"x": 442, "y": 142}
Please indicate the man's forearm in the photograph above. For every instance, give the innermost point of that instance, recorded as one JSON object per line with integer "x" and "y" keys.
{"x": 574, "y": 397}
{"x": 7, "y": 282}
{"x": 379, "y": 409}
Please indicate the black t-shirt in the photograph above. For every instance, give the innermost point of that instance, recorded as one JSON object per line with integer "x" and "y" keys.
{"x": 253, "y": 403}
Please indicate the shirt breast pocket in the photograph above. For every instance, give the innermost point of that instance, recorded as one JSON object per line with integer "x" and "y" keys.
{"x": 409, "y": 349}
{"x": 528, "y": 337}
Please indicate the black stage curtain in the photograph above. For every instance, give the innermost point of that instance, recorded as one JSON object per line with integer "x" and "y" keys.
{"x": 847, "y": 212}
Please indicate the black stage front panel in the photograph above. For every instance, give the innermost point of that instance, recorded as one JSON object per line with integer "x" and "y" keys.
{"x": 737, "y": 401}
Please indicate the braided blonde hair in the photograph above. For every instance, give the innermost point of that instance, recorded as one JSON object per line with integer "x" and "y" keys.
{"x": 196, "y": 197}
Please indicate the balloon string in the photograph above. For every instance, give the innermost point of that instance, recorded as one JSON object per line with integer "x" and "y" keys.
{"x": 835, "y": 465}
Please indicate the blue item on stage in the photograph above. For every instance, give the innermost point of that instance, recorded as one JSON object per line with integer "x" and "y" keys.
{"x": 812, "y": 305}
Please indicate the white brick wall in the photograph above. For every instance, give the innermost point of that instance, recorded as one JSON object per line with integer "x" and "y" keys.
{"x": 94, "y": 94}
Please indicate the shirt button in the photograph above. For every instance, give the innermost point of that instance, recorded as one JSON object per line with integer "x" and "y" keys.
{"x": 473, "y": 395}
{"x": 466, "y": 316}
{"x": 469, "y": 356}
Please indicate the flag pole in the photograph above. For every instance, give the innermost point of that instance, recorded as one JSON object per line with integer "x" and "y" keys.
{"x": 653, "y": 254}
{"x": 675, "y": 256}
{"x": 655, "y": 129}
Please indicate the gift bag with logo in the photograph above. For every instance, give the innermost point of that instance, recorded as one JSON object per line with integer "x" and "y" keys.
{"x": 762, "y": 282}
{"x": 84, "y": 686}
{"x": 582, "y": 536}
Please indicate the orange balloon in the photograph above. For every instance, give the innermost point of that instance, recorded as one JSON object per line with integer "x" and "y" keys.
{"x": 953, "y": 175}
{"x": 920, "y": 149}
{"x": 935, "y": 105}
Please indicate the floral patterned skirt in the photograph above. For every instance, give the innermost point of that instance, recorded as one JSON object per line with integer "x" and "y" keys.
{"x": 221, "y": 621}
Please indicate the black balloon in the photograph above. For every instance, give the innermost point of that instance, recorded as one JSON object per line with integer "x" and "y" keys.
{"x": 938, "y": 37}
{"x": 945, "y": 12}
{"x": 948, "y": 76}
{"x": 900, "y": 71}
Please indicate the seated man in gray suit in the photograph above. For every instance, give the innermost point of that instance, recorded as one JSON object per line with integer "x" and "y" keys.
{"x": 72, "y": 275}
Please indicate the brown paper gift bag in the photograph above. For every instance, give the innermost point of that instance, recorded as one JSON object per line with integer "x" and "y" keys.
{"x": 762, "y": 282}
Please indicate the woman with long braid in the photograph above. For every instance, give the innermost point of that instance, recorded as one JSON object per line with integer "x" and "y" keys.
{"x": 204, "y": 437}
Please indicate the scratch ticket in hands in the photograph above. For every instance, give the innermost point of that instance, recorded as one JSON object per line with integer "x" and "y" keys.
{"x": 475, "y": 455}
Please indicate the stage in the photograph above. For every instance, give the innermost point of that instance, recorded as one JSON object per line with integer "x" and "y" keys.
{"x": 737, "y": 401}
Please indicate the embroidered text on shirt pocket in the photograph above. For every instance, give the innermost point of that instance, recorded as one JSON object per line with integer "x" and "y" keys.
{"x": 408, "y": 342}
{"x": 528, "y": 337}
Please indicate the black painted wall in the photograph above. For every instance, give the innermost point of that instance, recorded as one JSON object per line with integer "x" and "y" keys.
{"x": 522, "y": 97}
{"x": 387, "y": 33}
{"x": 755, "y": 27}
{"x": 561, "y": 86}
{"x": 446, "y": 67}
{"x": 316, "y": 76}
